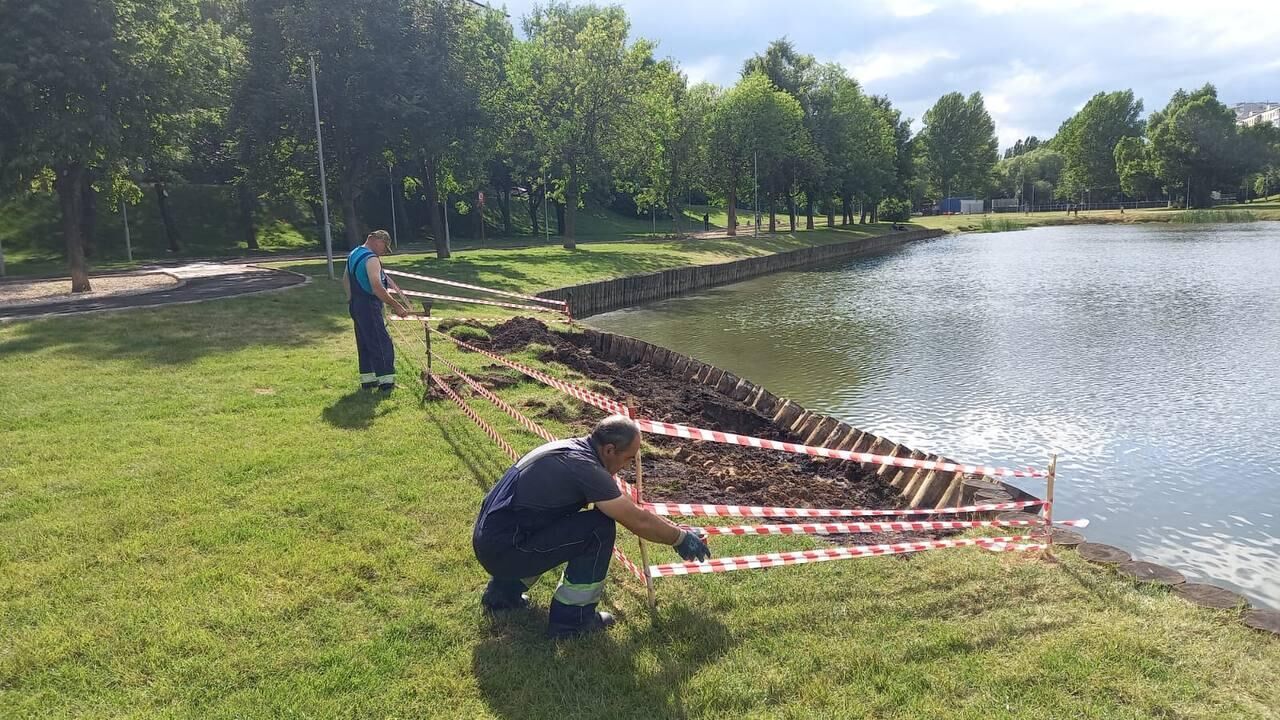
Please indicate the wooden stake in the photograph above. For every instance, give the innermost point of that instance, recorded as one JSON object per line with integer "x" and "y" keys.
{"x": 426, "y": 331}
{"x": 1048, "y": 508}
{"x": 644, "y": 553}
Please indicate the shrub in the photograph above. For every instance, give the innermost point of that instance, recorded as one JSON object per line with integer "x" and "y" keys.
{"x": 895, "y": 210}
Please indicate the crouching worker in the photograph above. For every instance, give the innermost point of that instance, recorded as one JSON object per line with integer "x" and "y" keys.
{"x": 534, "y": 519}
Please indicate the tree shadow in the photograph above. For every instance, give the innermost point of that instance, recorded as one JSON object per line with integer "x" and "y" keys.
{"x": 521, "y": 674}
{"x": 180, "y": 334}
{"x": 354, "y": 411}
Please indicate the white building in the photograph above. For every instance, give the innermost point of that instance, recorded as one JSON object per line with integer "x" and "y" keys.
{"x": 1254, "y": 113}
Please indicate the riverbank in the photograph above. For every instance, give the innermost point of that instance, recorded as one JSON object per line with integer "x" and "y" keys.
{"x": 1000, "y": 222}
{"x": 204, "y": 518}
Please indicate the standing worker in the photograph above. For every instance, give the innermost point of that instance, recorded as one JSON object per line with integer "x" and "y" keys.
{"x": 536, "y": 517}
{"x": 366, "y": 286}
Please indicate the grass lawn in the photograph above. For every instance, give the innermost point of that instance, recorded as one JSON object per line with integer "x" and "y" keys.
{"x": 202, "y": 518}
{"x": 1018, "y": 221}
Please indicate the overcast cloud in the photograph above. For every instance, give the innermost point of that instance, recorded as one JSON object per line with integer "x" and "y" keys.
{"x": 1035, "y": 63}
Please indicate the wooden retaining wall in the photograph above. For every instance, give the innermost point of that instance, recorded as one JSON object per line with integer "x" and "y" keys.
{"x": 920, "y": 488}
{"x": 598, "y": 297}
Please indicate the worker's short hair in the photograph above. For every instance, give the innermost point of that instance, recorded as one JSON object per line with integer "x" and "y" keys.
{"x": 616, "y": 430}
{"x": 382, "y": 235}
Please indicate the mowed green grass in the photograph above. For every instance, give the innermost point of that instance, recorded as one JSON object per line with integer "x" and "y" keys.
{"x": 202, "y": 518}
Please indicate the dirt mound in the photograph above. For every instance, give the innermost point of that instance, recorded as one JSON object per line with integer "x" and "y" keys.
{"x": 519, "y": 332}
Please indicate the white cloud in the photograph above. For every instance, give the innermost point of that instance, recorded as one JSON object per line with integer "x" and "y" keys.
{"x": 709, "y": 69}
{"x": 911, "y": 8}
{"x": 889, "y": 63}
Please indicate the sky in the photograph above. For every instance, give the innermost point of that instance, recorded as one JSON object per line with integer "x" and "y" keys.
{"x": 1035, "y": 63}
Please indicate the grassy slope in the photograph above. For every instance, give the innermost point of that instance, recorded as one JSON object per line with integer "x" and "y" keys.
{"x": 201, "y": 519}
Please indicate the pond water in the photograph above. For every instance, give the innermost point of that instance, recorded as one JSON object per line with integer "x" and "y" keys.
{"x": 1148, "y": 355}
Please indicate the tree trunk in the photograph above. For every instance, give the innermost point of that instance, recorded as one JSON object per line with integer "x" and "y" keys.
{"x": 432, "y": 195}
{"x": 733, "y": 211}
{"x": 245, "y": 203}
{"x": 504, "y": 197}
{"x": 808, "y": 212}
{"x": 317, "y": 215}
{"x": 569, "y": 209}
{"x": 69, "y": 186}
{"x": 862, "y": 212}
{"x": 89, "y": 218}
{"x": 773, "y": 215}
{"x": 791, "y": 207}
{"x": 170, "y": 227}
{"x": 846, "y": 205}
{"x": 831, "y": 214}
{"x": 534, "y": 201}
{"x": 350, "y": 222}
{"x": 561, "y": 220}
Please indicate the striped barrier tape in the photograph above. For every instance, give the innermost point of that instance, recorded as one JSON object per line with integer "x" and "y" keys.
{"x": 870, "y": 527}
{"x": 591, "y": 398}
{"x": 455, "y": 283}
{"x": 702, "y": 510}
{"x": 627, "y": 564}
{"x": 419, "y": 317}
{"x": 495, "y": 303}
{"x": 519, "y": 417}
{"x": 693, "y": 433}
{"x": 488, "y": 430}
{"x": 750, "y": 562}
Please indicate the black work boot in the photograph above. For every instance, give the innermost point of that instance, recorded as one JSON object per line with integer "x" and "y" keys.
{"x": 568, "y": 621}
{"x": 500, "y": 596}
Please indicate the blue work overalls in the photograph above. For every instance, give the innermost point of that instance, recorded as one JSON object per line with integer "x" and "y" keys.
{"x": 373, "y": 344}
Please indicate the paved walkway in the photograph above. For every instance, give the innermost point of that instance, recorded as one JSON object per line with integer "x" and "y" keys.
{"x": 198, "y": 281}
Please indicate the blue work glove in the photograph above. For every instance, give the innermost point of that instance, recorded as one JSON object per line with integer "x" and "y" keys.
{"x": 691, "y": 547}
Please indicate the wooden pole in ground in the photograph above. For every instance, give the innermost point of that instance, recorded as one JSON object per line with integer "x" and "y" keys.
{"x": 426, "y": 331}
{"x": 1048, "y": 508}
{"x": 644, "y": 552}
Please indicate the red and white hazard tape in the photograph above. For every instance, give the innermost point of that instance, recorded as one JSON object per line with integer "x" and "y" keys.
{"x": 627, "y": 564}
{"x": 693, "y": 433}
{"x": 519, "y": 417}
{"x": 455, "y": 283}
{"x": 870, "y": 527}
{"x": 700, "y": 510}
{"x": 591, "y": 398}
{"x": 488, "y": 430}
{"x": 748, "y": 562}
{"x": 478, "y": 301}
{"x": 419, "y": 318}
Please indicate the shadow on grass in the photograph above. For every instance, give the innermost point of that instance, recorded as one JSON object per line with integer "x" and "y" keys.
{"x": 523, "y": 675}
{"x": 180, "y": 334}
{"x": 484, "y": 467}
{"x": 355, "y": 410}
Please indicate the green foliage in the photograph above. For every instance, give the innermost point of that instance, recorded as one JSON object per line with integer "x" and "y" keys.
{"x": 1021, "y": 147}
{"x": 894, "y": 210}
{"x": 1036, "y": 173}
{"x": 1194, "y": 146}
{"x": 1088, "y": 142}
{"x": 998, "y": 224}
{"x": 1134, "y": 168}
{"x": 958, "y": 145}
{"x": 1199, "y": 217}
{"x": 575, "y": 87}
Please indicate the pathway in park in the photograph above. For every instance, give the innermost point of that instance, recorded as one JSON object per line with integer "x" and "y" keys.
{"x": 197, "y": 281}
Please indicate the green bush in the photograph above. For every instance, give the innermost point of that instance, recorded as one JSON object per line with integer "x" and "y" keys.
{"x": 895, "y": 210}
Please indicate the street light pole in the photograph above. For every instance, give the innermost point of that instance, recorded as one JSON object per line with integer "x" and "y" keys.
{"x": 324, "y": 191}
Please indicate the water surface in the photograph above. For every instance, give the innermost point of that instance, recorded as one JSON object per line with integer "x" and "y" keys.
{"x": 1149, "y": 356}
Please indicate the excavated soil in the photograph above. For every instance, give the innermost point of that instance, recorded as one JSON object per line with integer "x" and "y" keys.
{"x": 680, "y": 470}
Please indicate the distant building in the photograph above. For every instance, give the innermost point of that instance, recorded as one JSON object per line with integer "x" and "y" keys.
{"x": 1254, "y": 113}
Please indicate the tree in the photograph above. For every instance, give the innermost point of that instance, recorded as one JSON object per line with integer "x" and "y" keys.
{"x": 1034, "y": 174}
{"x": 1194, "y": 145}
{"x": 1133, "y": 168}
{"x": 90, "y": 87}
{"x": 789, "y": 71}
{"x": 958, "y": 145}
{"x": 576, "y": 83}
{"x": 752, "y": 121}
{"x": 1088, "y": 140}
{"x": 1021, "y": 147}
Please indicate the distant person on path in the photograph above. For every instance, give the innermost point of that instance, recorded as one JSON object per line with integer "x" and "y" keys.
{"x": 533, "y": 520}
{"x": 366, "y": 286}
